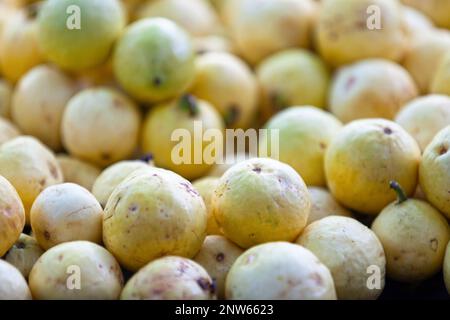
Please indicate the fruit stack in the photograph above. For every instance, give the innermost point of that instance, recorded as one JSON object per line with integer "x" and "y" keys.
{"x": 112, "y": 119}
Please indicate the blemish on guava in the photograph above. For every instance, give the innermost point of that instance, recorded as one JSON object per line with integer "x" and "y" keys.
{"x": 250, "y": 259}
{"x": 46, "y": 235}
{"x": 157, "y": 81}
{"x": 105, "y": 156}
{"x": 42, "y": 182}
{"x": 8, "y": 211}
{"x": 434, "y": 243}
{"x": 220, "y": 257}
{"x": 133, "y": 208}
{"x": 189, "y": 188}
{"x": 323, "y": 146}
{"x": 387, "y": 130}
{"x": 20, "y": 245}
{"x": 60, "y": 257}
{"x": 256, "y": 169}
{"x": 350, "y": 82}
{"x": 443, "y": 150}
{"x": 317, "y": 278}
{"x": 204, "y": 284}
{"x": 53, "y": 170}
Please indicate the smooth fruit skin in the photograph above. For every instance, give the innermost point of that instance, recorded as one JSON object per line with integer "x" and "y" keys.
{"x": 77, "y": 47}
{"x": 8, "y": 131}
{"x": 170, "y": 278}
{"x": 153, "y": 214}
{"x": 261, "y": 200}
{"x": 304, "y": 135}
{"x": 279, "y": 271}
{"x": 447, "y": 268}
{"x": 424, "y": 117}
{"x": 24, "y": 254}
{"x": 434, "y": 173}
{"x": 154, "y": 60}
{"x": 323, "y": 204}
{"x": 348, "y": 249}
{"x": 12, "y": 215}
{"x": 441, "y": 80}
{"x": 217, "y": 255}
{"x": 100, "y": 276}
{"x": 343, "y": 26}
{"x": 205, "y": 187}
{"x": 13, "y": 285}
{"x": 66, "y": 212}
{"x": 292, "y": 77}
{"x": 364, "y": 157}
{"x": 78, "y": 171}
{"x": 372, "y": 88}
{"x": 37, "y": 112}
{"x": 414, "y": 236}
{"x": 437, "y": 10}
{"x": 415, "y": 23}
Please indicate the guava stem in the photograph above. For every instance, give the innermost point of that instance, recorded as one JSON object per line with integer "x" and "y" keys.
{"x": 401, "y": 196}
{"x": 189, "y": 103}
{"x": 148, "y": 158}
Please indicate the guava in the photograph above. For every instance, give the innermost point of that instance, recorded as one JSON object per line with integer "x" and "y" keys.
{"x": 8, "y": 130}
{"x": 323, "y": 204}
{"x": 349, "y": 249}
{"x": 78, "y": 171}
{"x": 170, "y": 278}
{"x": 212, "y": 43}
{"x": 441, "y": 79}
{"x": 101, "y": 75}
{"x": 79, "y": 34}
{"x": 13, "y": 285}
{"x": 188, "y": 153}
{"x": 229, "y": 85}
{"x": 6, "y": 91}
{"x": 304, "y": 135}
{"x": 12, "y": 216}
{"x": 153, "y": 214}
{"x": 434, "y": 172}
{"x": 39, "y": 101}
{"x": 279, "y": 270}
{"x": 77, "y": 270}
{"x": 352, "y": 30}
{"x": 260, "y": 28}
{"x": 415, "y": 22}
{"x": 363, "y": 156}
{"x": 100, "y": 125}
{"x": 424, "y": 117}
{"x": 261, "y": 200}
{"x": 292, "y": 78}
{"x": 24, "y": 254}
{"x": 372, "y": 88}
{"x": 205, "y": 187}
{"x": 30, "y": 167}
{"x": 217, "y": 255}
{"x": 414, "y": 236}
{"x": 66, "y": 212}
{"x": 112, "y": 176}
{"x": 437, "y": 10}
{"x": 446, "y": 268}
{"x": 154, "y": 60}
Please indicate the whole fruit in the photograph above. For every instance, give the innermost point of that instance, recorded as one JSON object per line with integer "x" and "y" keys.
{"x": 100, "y": 125}
{"x": 205, "y": 187}
{"x": 5, "y": 98}
{"x": 371, "y": 88}
{"x": 79, "y": 34}
{"x": 437, "y": 10}
{"x": 279, "y": 270}
{"x": 261, "y": 200}
{"x": 323, "y": 204}
{"x": 349, "y": 249}
{"x": 78, "y": 171}
{"x": 217, "y": 255}
{"x": 8, "y": 131}
{"x": 13, "y": 285}
{"x": 153, "y": 214}
{"x": 66, "y": 212}
{"x": 363, "y": 157}
{"x": 414, "y": 236}
{"x": 304, "y": 135}
{"x": 154, "y": 60}
{"x": 77, "y": 270}
{"x": 35, "y": 111}
{"x": 441, "y": 79}
{"x": 24, "y": 254}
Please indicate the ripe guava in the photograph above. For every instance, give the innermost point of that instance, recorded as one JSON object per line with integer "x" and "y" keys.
{"x": 205, "y": 186}
{"x": 78, "y": 171}
{"x": 13, "y": 285}
{"x": 8, "y": 130}
{"x": 323, "y": 204}
{"x": 24, "y": 254}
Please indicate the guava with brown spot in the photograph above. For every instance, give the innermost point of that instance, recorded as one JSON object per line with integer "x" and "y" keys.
{"x": 323, "y": 204}
{"x": 13, "y": 285}
{"x": 170, "y": 278}
{"x": 217, "y": 255}
{"x": 414, "y": 236}
{"x": 77, "y": 270}
{"x": 24, "y": 254}
{"x": 279, "y": 271}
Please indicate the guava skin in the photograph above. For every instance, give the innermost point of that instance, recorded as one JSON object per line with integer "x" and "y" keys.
{"x": 205, "y": 187}
{"x": 24, "y": 254}
{"x": 78, "y": 171}
{"x": 8, "y": 131}
{"x": 324, "y": 205}
{"x": 13, "y": 285}
{"x": 441, "y": 80}
{"x": 154, "y": 60}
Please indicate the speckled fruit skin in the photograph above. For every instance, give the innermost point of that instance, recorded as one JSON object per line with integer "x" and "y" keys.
{"x": 66, "y": 212}
{"x": 13, "y": 286}
{"x": 24, "y": 254}
{"x": 30, "y": 167}
{"x": 35, "y": 111}
{"x": 434, "y": 173}
{"x": 292, "y": 77}
{"x": 343, "y": 26}
{"x": 12, "y": 216}
{"x": 437, "y": 10}
{"x": 78, "y": 171}
{"x": 323, "y": 204}
{"x": 447, "y": 268}
{"x": 205, "y": 187}
{"x": 217, "y": 255}
{"x": 372, "y": 88}
{"x": 73, "y": 48}
{"x": 279, "y": 270}
{"x": 308, "y": 129}
{"x": 100, "y": 274}
{"x": 441, "y": 79}
{"x": 364, "y": 157}
{"x": 153, "y": 214}
{"x": 170, "y": 278}
{"x": 414, "y": 236}
{"x": 424, "y": 117}
{"x": 348, "y": 249}
{"x": 8, "y": 131}
{"x": 154, "y": 60}
{"x": 261, "y": 200}
{"x": 112, "y": 176}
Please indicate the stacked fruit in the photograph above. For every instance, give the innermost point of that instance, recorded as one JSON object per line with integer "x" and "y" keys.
{"x": 94, "y": 204}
